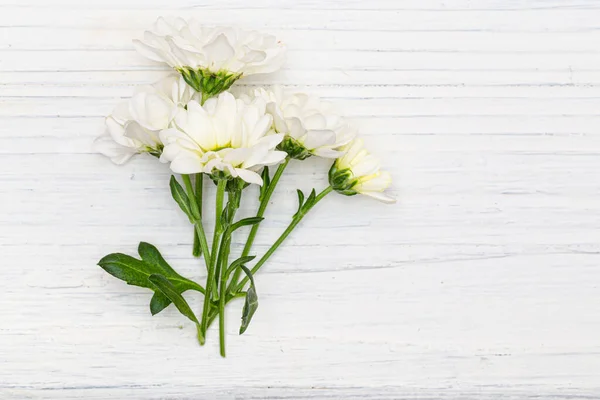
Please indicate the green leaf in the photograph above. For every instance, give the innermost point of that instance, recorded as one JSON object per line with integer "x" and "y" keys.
{"x": 311, "y": 197}
{"x": 180, "y": 196}
{"x": 196, "y": 249}
{"x": 136, "y": 272}
{"x": 225, "y": 216}
{"x": 300, "y": 198}
{"x": 245, "y": 222}
{"x": 266, "y": 182}
{"x": 251, "y": 303}
{"x": 158, "y": 302}
{"x": 173, "y": 294}
{"x": 240, "y": 261}
{"x": 310, "y": 201}
{"x": 128, "y": 269}
{"x": 150, "y": 254}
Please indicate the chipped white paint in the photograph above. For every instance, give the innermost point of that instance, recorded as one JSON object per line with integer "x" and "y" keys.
{"x": 481, "y": 283}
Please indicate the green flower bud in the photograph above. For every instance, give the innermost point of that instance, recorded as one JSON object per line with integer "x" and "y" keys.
{"x": 342, "y": 180}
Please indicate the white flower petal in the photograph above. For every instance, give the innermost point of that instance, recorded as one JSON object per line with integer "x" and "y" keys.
{"x": 271, "y": 141}
{"x": 274, "y": 157}
{"x": 249, "y": 176}
{"x": 380, "y": 196}
{"x": 327, "y": 153}
{"x": 117, "y": 153}
{"x": 308, "y": 120}
{"x": 367, "y": 166}
{"x": 136, "y": 132}
{"x": 186, "y": 163}
{"x": 318, "y": 138}
{"x": 179, "y": 43}
{"x": 225, "y": 134}
{"x": 220, "y": 50}
{"x": 152, "y": 111}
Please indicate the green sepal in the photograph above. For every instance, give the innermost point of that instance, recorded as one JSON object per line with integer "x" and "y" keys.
{"x": 208, "y": 83}
{"x": 154, "y": 151}
{"x": 293, "y": 148}
{"x": 250, "y": 303}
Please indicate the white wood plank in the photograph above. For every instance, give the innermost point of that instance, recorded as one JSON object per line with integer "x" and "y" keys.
{"x": 482, "y": 282}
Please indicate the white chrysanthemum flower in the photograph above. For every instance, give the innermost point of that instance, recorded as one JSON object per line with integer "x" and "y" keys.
{"x": 134, "y": 125}
{"x": 311, "y": 126}
{"x": 210, "y": 58}
{"x": 357, "y": 171}
{"x": 226, "y": 135}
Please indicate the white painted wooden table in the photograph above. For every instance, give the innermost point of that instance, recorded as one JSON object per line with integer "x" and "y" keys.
{"x": 482, "y": 282}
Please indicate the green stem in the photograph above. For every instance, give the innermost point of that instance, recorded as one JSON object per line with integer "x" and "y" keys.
{"x": 197, "y": 248}
{"x": 261, "y": 211}
{"x": 297, "y": 218}
{"x": 203, "y": 243}
{"x": 191, "y": 195}
{"x": 233, "y": 204}
{"x": 199, "y": 229}
{"x": 210, "y": 279}
{"x": 221, "y": 186}
{"x": 199, "y": 189}
{"x": 222, "y": 312}
{"x": 214, "y": 313}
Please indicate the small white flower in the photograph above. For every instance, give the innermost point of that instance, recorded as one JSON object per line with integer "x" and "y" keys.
{"x": 311, "y": 126}
{"x": 134, "y": 125}
{"x": 357, "y": 171}
{"x": 225, "y": 134}
{"x": 210, "y": 58}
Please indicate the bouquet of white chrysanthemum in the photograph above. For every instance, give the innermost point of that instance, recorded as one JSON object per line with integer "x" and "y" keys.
{"x": 190, "y": 120}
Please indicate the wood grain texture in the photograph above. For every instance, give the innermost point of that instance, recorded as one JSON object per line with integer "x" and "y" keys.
{"x": 482, "y": 282}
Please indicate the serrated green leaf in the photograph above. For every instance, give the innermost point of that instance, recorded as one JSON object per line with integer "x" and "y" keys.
{"x": 181, "y": 198}
{"x": 173, "y": 294}
{"x": 250, "y": 304}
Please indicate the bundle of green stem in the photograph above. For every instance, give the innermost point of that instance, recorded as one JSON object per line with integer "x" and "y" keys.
{"x": 223, "y": 277}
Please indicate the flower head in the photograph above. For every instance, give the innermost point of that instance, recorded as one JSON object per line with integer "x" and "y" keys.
{"x": 310, "y": 126}
{"x": 134, "y": 125}
{"x": 210, "y": 58}
{"x": 357, "y": 171}
{"x": 224, "y": 136}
